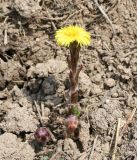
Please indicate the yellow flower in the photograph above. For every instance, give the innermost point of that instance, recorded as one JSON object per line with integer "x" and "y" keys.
{"x": 65, "y": 36}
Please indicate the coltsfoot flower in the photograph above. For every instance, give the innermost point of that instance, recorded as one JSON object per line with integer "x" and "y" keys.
{"x": 67, "y": 35}
{"x": 42, "y": 135}
{"x": 71, "y": 123}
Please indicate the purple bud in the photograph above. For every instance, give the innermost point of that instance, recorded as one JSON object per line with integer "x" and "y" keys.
{"x": 71, "y": 123}
{"x": 42, "y": 135}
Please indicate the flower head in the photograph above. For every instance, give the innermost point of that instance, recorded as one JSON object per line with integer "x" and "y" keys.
{"x": 71, "y": 123}
{"x": 65, "y": 36}
{"x": 42, "y": 135}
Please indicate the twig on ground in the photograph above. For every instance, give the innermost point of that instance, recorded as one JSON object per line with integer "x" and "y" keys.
{"x": 129, "y": 120}
{"x": 131, "y": 83}
{"x": 39, "y": 114}
{"x": 5, "y": 35}
{"x": 20, "y": 59}
{"x": 116, "y": 140}
{"x": 42, "y": 110}
{"x": 70, "y": 16}
{"x": 50, "y": 44}
{"x": 51, "y": 135}
{"x": 93, "y": 148}
{"x": 130, "y": 53}
{"x": 41, "y": 120}
{"x": 54, "y": 19}
{"x": 59, "y": 105}
{"x": 113, "y": 135}
{"x": 130, "y": 6}
{"x": 105, "y": 15}
{"x": 53, "y": 24}
{"x": 21, "y": 29}
{"x": 55, "y": 155}
{"x": 83, "y": 155}
{"x": 5, "y": 20}
{"x": 113, "y": 7}
{"x": 18, "y": 81}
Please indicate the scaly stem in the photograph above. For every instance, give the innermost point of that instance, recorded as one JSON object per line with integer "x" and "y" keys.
{"x": 74, "y": 71}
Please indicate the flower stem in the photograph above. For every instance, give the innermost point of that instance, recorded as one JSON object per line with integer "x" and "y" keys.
{"x": 74, "y": 71}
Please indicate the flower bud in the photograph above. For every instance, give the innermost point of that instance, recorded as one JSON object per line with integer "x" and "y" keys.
{"x": 71, "y": 123}
{"x": 42, "y": 135}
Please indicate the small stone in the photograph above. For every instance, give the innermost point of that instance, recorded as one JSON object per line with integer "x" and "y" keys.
{"x": 126, "y": 77}
{"x": 110, "y": 68}
{"x": 107, "y": 101}
{"x": 110, "y": 82}
{"x": 29, "y": 63}
{"x": 115, "y": 95}
{"x": 37, "y": 39}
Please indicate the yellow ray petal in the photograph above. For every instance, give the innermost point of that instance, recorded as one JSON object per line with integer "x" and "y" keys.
{"x": 65, "y": 36}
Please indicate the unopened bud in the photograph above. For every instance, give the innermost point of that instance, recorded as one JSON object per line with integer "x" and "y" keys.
{"x": 42, "y": 135}
{"x": 71, "y": 123}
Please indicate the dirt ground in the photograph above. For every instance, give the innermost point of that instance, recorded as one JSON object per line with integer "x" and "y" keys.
{"x": 34, "y": 73}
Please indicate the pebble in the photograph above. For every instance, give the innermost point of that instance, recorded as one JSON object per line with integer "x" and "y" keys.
{"x": 110, "y": 82}
{"x": 115, "y": 95}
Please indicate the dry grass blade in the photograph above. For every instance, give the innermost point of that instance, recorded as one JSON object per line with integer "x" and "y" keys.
{"x": 129, "y": 120}
{"x": 70, "y": 16}
{"x": 38, "y": 110}
{"x": 93, "y": 148}
{"x": 53, "y": 24}
{"x": 116, "y": 140}
{"x": 105, "y": 15}
{"x": 56, "y": 154}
